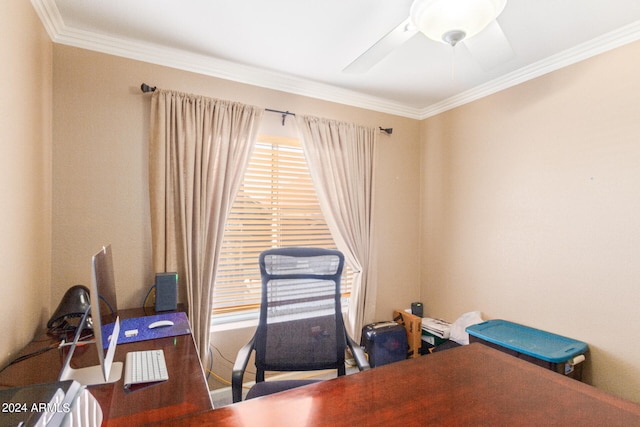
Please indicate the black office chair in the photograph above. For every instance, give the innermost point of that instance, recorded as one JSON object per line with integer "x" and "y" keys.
{"x": 301, "y": 326}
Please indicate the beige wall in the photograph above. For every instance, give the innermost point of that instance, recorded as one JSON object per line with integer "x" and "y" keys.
{"x": 100, "y": 175}
{"x": 25, "y": 173}
{"x": 531, "y": 206}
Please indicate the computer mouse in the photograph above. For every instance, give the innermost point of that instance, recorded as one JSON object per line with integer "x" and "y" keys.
{"x": 160, "y": 324}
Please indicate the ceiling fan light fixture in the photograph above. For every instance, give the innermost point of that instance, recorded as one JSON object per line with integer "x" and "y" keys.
{"x": 453, "y": 37}
{"x": 450, "y": 21}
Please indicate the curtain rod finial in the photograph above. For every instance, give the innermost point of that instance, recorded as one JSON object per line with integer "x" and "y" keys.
{"x": 388, "y": 131}
{"x": 146, "y": 88}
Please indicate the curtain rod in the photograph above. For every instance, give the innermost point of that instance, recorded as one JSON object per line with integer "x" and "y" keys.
{"x": 388, "y": 131}
{"x": 284, "y": 113}
{"x": 146, "y": 88}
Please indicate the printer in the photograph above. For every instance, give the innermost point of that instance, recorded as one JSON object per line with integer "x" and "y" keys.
{"x": 435, "y": 331}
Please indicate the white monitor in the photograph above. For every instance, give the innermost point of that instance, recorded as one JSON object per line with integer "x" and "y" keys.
{"x": 102, "y": 274}
{"x": 102, "y": 287}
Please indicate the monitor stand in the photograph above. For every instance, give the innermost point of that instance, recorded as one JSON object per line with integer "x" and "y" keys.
{"x": 92, "y": 375}
{"x": 107, "y": 371}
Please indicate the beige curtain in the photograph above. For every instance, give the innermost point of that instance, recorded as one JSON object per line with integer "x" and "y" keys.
{"x": 341, "y": 158}
{"x": 198, "y": 151}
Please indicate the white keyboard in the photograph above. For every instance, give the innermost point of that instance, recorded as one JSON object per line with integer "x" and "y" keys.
{"x": 145, "y": 367}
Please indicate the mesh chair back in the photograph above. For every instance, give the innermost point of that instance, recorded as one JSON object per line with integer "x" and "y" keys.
{"x": 301, "y": 325}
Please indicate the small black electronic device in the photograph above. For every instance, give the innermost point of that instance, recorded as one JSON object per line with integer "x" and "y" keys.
{"x": 166, "y": 291}
{"x": 417, "y": 309}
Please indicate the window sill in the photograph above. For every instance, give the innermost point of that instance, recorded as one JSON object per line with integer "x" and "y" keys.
{"x": 230, "y": 326}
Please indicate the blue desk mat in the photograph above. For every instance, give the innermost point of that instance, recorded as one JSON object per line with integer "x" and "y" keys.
{"x": 180, "y": 327}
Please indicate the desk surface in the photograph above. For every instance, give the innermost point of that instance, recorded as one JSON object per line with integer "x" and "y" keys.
{"x": 185, "y": 392}
{"x": 470, "y": 385}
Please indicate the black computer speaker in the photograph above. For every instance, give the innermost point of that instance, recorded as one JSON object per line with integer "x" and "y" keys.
{"x": 417, "y": 309}
{"x": 166, "y": 291}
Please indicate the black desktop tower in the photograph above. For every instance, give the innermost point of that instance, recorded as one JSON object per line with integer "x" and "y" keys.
{"x": 384, "y": 342}
{"x": 166, "y": 291}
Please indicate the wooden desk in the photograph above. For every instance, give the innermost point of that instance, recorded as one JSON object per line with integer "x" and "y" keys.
{"x": 185, "y": 392}
{"x": 467, "y": 386}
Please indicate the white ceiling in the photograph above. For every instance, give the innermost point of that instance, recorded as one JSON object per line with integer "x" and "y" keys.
{"x": 302, "y": 46}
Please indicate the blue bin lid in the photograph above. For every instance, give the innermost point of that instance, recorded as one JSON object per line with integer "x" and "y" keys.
{"x": 530, "y": 341}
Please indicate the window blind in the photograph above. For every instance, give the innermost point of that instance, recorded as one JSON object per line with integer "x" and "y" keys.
{"x": 276, "y": 206}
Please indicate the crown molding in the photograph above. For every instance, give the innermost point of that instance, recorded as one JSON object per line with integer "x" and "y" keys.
{"x": 59, "y": 33}
{"x": 49, "y": 16}
{"x": 609, "y": 41}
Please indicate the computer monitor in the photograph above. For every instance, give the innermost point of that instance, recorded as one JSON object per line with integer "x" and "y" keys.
{"x": 102, "y": 287}
{"x": 102, "y": 273}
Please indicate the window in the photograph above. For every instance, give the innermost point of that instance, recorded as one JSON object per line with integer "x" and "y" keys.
{"x": 276, "y": 206}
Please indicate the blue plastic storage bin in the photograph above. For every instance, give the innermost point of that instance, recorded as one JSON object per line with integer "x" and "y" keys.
{"x": 552, "y": 351}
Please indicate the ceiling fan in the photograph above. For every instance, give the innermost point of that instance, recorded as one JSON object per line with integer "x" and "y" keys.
{"x": 469, "y": 22}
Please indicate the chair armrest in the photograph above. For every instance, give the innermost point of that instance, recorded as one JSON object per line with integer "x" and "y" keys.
{"x": 240, "y": 365}
{"x": 358, "y": 354}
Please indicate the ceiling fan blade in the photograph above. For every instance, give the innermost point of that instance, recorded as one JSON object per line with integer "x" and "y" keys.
{"x": 392, "y": 40}
{"x": 490, "y": 47}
